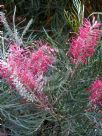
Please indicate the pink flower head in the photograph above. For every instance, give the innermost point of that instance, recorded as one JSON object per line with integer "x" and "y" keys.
{"x": 5, "y": 73}
{"x": 96, "y": 92}
{"x": 25, "y": 70}
{"x": 83, "y": 45}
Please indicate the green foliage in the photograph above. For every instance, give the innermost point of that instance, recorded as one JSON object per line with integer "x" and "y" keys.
{"x": 74, "y": 16}
{"x": 46, "y": 13}
{"x": 18, "y": 117}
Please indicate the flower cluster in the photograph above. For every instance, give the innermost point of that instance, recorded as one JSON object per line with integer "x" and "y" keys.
{"x": 25, "y": 70}
{"x": 83, "y": 45}
{"x": 96, "y": 92}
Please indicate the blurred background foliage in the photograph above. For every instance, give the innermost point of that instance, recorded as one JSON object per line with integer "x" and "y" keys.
{"x": 48, "y": 13}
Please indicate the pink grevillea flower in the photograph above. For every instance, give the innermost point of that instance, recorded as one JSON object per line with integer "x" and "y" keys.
{"x": 83, "y": 45}
{"x": 96, "y": 92}
{"x": 4, "y": 72}
{"x": 25, "y": 70}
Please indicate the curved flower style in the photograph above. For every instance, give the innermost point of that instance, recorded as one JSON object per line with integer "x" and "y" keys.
{"x": 96, "y": 92}
{"x": 25, "y": 70}
{"x": 83, "y": 45}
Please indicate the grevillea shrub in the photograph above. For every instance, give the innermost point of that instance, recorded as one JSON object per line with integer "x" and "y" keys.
{"x": 25, "y": 70}
{"x": 95, "y": 91}
{"x": 83, "y": 45}
{"x": 63, "y": 98}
